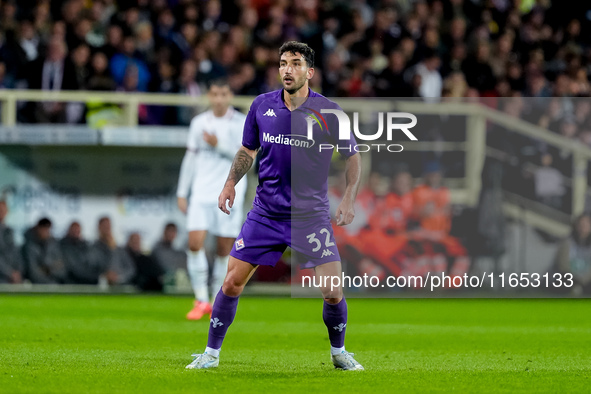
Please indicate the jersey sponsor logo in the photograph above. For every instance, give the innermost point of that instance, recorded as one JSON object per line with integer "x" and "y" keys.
{"x": 270, "y": 112}
{"x": 217, "y": 323}
{"x": 240, "y": 244}
{"x": 327, "y": 252}
{"x": 340, "y": 327}
{"x": 299, "y": 141}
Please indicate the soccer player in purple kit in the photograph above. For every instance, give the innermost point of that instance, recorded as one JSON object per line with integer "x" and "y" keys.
{"x": 291, "y": 205}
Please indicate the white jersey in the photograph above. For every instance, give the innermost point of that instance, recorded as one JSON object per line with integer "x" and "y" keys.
{"x": 205, "y": 168}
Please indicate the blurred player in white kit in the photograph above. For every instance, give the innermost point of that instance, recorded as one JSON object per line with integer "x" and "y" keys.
{"x": 214, "y": 138}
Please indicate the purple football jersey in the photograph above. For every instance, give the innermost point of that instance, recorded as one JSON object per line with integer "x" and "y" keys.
{"x": 293, "y": 170}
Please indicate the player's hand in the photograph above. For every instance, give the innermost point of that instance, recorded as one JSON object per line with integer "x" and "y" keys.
{"x": 211, "y": 139}
{"x": 182, "y": 204}
{"x": 227, "y": 195}
{"x": 345, "y": 213}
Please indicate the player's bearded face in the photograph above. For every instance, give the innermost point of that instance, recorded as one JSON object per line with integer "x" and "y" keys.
{"x": 294, "y": 72}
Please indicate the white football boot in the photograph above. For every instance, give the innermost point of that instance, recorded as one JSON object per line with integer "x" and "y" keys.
{"x": 203, "y": 361}
{"x": 346, "y": 362}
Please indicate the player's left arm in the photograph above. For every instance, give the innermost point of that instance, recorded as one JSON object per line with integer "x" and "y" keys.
{"x": 346, "y": 209}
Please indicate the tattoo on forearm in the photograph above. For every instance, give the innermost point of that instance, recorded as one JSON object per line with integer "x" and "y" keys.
{"x": 240, "y": 166}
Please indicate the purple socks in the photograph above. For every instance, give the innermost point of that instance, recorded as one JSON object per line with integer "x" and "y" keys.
{"x": 224, "y": 310}
{"x": 222, "y": 315}
{"x": 335, "y": 318}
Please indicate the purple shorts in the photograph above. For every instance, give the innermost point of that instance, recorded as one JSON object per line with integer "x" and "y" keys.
{"x": 262, "y": 241}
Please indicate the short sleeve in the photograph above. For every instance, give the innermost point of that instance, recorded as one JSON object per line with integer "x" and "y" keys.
{"x": 250, "y": 135}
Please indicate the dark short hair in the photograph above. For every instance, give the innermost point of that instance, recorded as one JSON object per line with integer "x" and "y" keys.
{"x": 170, "y": 225}
{"x": 219, "y": 82}
{"x": 45, "y": 222}
{"x": 301, "y": 48}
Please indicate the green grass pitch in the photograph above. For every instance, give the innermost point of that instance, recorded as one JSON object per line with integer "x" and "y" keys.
{"x": 141, "y": 344}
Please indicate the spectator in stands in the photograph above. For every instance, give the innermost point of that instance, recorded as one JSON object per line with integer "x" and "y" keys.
{"x": 574, "y": 255}
{"x": 100, "y": 76}
{"x": 145, "y": 42}
{"x": 383, "y": 241}
{"x": 125, "y": 62}
{"x": 76, "y": 254}
{"x": 108, "y": 258}
{"x": 183, "y": 42}
{"x": 431, "y": 202}
{"x": 207, "y": 68}
{"x": 390, "y": 82}
{"x": 166, "y": 255}
{"x": 432, "y": 212}
{"x": 80, "y": 58}
{"x": 8, "y": 21}
{"x": 114, "y": 40}
{"x": 41, "y": 255}
{"x": 549, "y": 183}
{"x": 103, "y": 249}
{"x": 512, "y": 51}
{"x": 163, "y": 82}
{"x": 54, "y": 72}
{"x": 430, "y": 78}
{"x": 11, "y": 269}
{"x": 78, "y": 35}
{"x": 20, "y": 49}
{"x": 148, "y": 274}
{"x": 187, "y": 85}
{"x": 477, "y": 69}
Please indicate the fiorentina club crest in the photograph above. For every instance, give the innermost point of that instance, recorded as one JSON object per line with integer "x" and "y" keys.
{"x": 240, "y": 244}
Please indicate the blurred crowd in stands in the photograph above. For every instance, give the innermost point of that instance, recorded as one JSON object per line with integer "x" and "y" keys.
{"x": 401, "y": 229}
{"x": 43, "y": 259}
{"x": 364, "y": 48}
{"x": 428, "y": 49}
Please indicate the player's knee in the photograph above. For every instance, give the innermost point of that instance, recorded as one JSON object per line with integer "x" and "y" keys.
{"x": 332, "y": 296}
{"x": 195, "y": 245}
{"x": 333, "y": 300}
{"x": 232, "y": 287}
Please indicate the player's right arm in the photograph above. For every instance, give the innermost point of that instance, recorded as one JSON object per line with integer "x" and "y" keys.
{"x": 187, "y": 167}
{"x": 185, "y": 177}
{"x": 240, "y": 166}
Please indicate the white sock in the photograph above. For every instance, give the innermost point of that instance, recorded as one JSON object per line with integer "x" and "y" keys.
{"x": 220, "y": 268}
{"x": 213, "y": 352}
{"x": 336, "y": 350}
{"x": 197, "y": 267}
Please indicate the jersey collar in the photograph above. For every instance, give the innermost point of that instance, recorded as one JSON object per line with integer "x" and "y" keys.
{"x": 311, "y": 93}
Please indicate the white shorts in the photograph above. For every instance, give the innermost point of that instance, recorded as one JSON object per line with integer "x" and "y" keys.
{"x": 207, "y": 216}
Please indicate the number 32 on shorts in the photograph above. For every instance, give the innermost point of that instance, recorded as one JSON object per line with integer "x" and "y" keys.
{"x": 313, "y": 240}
